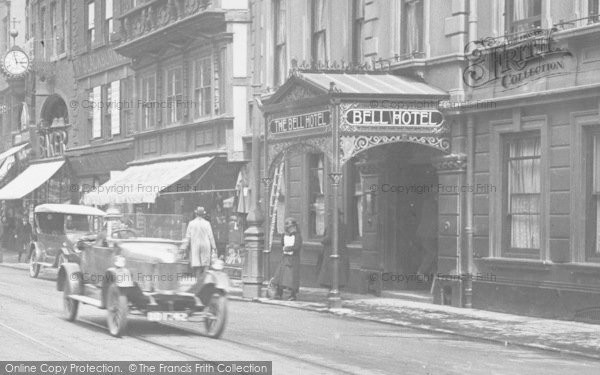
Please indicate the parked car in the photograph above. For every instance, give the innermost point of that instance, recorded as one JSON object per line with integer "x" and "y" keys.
{"x": 59, "y": 232}
{"x": 147, "y": 276}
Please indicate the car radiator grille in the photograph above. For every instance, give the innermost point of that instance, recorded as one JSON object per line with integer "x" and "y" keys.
{"x": 169, "y": 276}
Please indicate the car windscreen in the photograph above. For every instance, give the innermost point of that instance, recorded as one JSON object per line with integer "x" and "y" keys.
{"x": 151, "y": 249}
{"x": 51, "y": 223}
{"x": 79, "y": 223}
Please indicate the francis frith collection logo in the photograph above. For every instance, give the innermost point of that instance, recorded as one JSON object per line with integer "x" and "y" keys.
{"x": 515, "y": 60}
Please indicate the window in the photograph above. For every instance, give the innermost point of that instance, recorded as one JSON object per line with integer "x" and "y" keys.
{"x": 126, "y": 110}
{"x": 107, "y": 107}
{"x": 202, "y": 88}
{"x": 593, "y": 8}
{"x": 593, "y": 198}
{"x": 355, "y": 216}
{"x": 522, "y": 155}
{"x": 280, "y": 59}
{"x": 96, "y": 112}
{"x": 53, "y": 30}
{"x": 316, "y": 194}
{"x": 523, "y": 15}
{"x": 65, "y": 18}
{"x": 91, "y": 31}
{"x": 358, "y": 20}
{"x": 43, "y": 31}
{"x": 319, "y": 36}
{"x": 148, "y": 105}
{"x": 108, "y": 19}
{"x": 412, "y": 28}
{"x": 174, "y": 96}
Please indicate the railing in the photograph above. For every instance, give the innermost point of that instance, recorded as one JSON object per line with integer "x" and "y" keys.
{"x": 152, "y": 15}
{"x": 579, "y": 22}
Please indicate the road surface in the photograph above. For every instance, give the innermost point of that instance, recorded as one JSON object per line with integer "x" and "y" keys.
{"x": 297, "y": 341}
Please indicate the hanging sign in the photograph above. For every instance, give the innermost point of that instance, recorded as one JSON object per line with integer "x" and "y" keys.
{"x": 298, "y": 123}
{"x": 394, "y": 117}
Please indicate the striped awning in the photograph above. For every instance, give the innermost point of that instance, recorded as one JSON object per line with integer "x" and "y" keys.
{"x": 32, "y": 178}
{"x": 372, "y": 84}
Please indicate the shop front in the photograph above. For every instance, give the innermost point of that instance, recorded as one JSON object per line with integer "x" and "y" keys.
{"x": 367, "y": 156}
{"x": 158, "y": 198}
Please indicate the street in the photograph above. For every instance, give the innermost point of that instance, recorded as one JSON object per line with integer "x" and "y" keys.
{"x": 297, "y": 341}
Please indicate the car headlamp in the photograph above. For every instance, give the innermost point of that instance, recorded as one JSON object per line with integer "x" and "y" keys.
{"x": 119, "y": 261}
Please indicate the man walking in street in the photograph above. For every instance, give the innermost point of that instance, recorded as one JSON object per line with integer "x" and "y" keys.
{"x": 201, "y": 242}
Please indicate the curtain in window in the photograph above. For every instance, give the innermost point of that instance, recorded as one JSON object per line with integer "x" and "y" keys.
{"x": 524, "y": 188}
{"x": 520, "y": 9}
{"x": 320, "y": 13}
{"x": 280, "y": 33}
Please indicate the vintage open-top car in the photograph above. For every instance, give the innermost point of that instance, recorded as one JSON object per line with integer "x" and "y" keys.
{"x": 146, "y": 276}
{"x": 58, "y": 231}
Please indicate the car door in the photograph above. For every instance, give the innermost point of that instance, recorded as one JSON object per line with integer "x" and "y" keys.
{"x": 96, "y": 259}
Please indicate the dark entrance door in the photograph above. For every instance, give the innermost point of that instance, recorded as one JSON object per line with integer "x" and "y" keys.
{"x": 410, "y": 233}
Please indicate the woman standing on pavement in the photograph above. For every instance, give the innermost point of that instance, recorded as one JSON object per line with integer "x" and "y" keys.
{"x": 287, "y": 274}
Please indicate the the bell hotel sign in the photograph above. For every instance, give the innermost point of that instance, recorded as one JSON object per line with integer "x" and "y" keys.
{"x": 394, "y": 117}
{"x": 299, "y": 123}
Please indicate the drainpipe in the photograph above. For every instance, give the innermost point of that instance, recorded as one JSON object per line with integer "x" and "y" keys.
{"x": 469, "y": 229}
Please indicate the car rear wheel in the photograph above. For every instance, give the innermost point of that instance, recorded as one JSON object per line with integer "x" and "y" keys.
{"x": 70, "y": 306}
{"x": 117, "y": 308}
{"x": 217, "y": 316}
{"x": 34, "y": 267}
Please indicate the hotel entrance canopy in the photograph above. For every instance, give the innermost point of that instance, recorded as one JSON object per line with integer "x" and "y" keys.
{"x": 342, "y": 114}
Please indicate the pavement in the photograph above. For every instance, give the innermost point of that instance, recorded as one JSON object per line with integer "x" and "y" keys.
{"x": 415, "y": 311}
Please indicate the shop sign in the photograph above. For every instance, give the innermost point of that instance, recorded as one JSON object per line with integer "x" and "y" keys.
{"x": 394, "y": 117}
{"x": 53, "y": 143}
{"x": 514, "y": 62}
{"x": 292, "y": 124}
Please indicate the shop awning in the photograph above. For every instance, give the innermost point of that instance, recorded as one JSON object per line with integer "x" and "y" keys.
{"x": 34, "y": 176}
{"x": 143, "y": 183}
{"x": 11, "y": 151}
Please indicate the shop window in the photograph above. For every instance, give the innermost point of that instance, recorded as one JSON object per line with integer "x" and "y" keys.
{"x": 202, "y": 88}
{"x": 523, "y": 15}
{"x": 412, "y": 28}
{"x": 593, "y": 199}
{"x": 279, "y": 33}
{"x": 358, "y": 21}
{"x": 149, "y": 102}
{"x": 522, "y": 168}
{"x": 316, "y": 194}
{"x": 91, "y": 28}
{"x": 319, "y": 35}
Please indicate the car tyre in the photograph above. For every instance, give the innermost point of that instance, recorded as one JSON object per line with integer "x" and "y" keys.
{"x": 217, "y": 316}
{"x": 34, "y": 267}
{"x": 70, "y": 306}
{"x": 117, "y": 308}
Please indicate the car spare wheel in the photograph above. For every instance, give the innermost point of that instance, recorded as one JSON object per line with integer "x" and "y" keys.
{"x": 34, "y": 267}
{"x": 216, "y": 316}
{"x": 117, "y": 309}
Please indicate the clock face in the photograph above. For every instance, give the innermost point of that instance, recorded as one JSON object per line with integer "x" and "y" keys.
{"x": 16, "y": 62}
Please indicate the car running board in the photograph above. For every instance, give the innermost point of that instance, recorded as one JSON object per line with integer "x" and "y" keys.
{"x": 86, "y": 300}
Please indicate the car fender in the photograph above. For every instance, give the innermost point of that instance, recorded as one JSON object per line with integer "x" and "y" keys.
{"x": 219, "y": 279}
{"x": 38, "y": 249}
{"x": 70, "y": 273}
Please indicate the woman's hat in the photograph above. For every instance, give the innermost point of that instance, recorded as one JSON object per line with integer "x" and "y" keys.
{"x": 290, "y": 221}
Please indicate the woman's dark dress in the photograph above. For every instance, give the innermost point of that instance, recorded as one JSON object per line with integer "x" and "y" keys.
{"x": 287, "y": 274}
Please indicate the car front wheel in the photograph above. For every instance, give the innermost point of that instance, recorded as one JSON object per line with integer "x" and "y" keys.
{"x": 117, "y": 308}
{"x": 34, "y": 267}
{"x": 217, "y": 316}
{"x": 70, "y": 306}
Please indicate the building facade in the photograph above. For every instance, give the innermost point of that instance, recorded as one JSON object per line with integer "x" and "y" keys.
{"x": 514, "y": 190}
